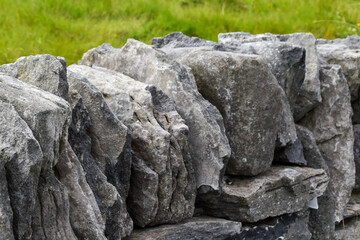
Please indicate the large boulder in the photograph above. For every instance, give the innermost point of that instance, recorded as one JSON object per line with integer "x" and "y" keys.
{"x": 309, "y": 94}
{"x": 248, "y": 96}
{"x": 331, "y": 125}
{"x": 322, "y": 219}
{"x": 208, "y": 143}
{"x": 162, "y": 186}
{"x": 102, "y": 144}
{"x": 194, "y": 228}
{"x": 278, "y": 191}
{"x": 62, "y": 194}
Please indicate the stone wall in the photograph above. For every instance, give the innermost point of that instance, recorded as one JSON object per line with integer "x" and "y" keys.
{"x": 250, "y": 137}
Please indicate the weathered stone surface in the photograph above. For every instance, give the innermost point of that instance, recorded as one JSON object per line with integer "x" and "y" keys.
{"x": 207, "y": 139}
{"x": 349, "y": 229}
{"x": 162, "y": 186}
{"x": 309, "y": 95}
{"x": 331, "y": 125}
{"x": 345, "y": 52}
{"x": 292, "y": 154}
{"x": 248, "y": 96}
{"x": 287, "y": 189}
{"x": 322, "y": 220}
{"x": 194, "y": 228}
{"x": 44, "y": 71}
{"x": 20, "y": 163}
{"x": 102, "y": 144}
{"x": 285, "y": 61}
{"x": 356, "y": 128}
{"x": 288, "y": 227}
{"x": 46, "y": 115}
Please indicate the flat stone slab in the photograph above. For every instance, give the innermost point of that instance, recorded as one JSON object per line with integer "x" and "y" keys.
{"x": 278, "y": 191}
{"x": 194, "y": 228}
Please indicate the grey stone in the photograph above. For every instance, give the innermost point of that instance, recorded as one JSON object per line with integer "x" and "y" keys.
{"x": 292, "y": 154}
{"x": 331, "y": 125}
{"x": 194, "y": 228}
{"x": 162, "y": 186}
{"x": 44, "y": 71}
{"x": 356, "y": 128}
{"x": 349, "y": 229}
{"x": 280, "y": 190}
{"x": 309, "y": 95}
{"x": 208, "y": 143}
{"x": 102, "y": 144}
{"x": 322, "y": 220}
{"x": 346, "y": 53}
{"x": 20, "y": 164}
{"x": 285, "y": 60}
{"x": 288, "y": 227}
{"x": 248, "y": 96}
{"x": 46, "y": 115}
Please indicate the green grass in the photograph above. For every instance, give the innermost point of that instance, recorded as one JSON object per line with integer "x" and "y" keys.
{"x": 69, "y": 28}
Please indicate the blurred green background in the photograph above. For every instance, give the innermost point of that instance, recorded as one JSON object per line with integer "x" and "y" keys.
{"x": 69, "y": 28}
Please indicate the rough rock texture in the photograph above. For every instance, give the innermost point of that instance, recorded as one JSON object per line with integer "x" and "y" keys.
{"x": 345, "y": 52}
{"x": 208, "y": 143}
{"x": 194, "y": 228}
{"x": 309, "y": 95}
{"x": 162, "y": 182}
{"x": 61, "y": 186}
{"x": 285, "y": 61}
{"x": 356, "y": 128}
{"x": 321, "y": 221}
{"x": 102, "y": 144}
{"x": 349, "y": 229}
{"x": 44, "y": 71}
{"x": 288, "y": 189}
{"x": 331, "y": 125}
{"x": 46, "y": 115}
{"x": 292, "y": 154}
{"x": 288, "y": 227}
{"x": 248, "y": 96}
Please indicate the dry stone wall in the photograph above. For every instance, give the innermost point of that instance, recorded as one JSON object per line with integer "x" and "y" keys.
{"x": 250, "y": 137}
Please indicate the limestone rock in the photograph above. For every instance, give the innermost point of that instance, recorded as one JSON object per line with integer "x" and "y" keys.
{"x": 286, "y": 62}
{"x": 45, "y": 114}
{"x": 288, "y": 227}
{"x": 280, "y": 190}
{"x": 292, "y": 154}
{"x": 248, "y": 96}
{"x": 102, "y": 144}
{"x": 331, "y": 125}
{"x": 356, "y": 128}
{"x": 194, "y": 228}
{"x": 208, "y": 143}
{"x": 309, "y": 95}
{"x": 44, "y": 71}
{"x": 162, "y": 186}
{"x": 322, "y": 220}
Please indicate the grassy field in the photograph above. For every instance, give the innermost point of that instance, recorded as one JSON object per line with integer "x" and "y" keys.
{"x": 69, "y": 28}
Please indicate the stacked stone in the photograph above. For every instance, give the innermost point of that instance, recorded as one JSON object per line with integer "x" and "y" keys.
{"x": 250, "y": 137}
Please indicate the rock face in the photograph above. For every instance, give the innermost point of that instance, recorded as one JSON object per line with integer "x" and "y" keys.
{"x": 195, "y": 228}
{"x": 288, "y": 189}
{"x": 162, "y": 182}
{"x": 247, "y": 95}
{"x": 345, "y": 52}
{"x": 102, "y": 144}
{"x": 309, "y": 94}
{"x": 208, "y": 143}
{"x": 331, "y": 125}
{"x": 357, "y": 155}
{"x": 287, "y": 227}
{"x": 321, "y": 221}
{"x": 44, "y": 71}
